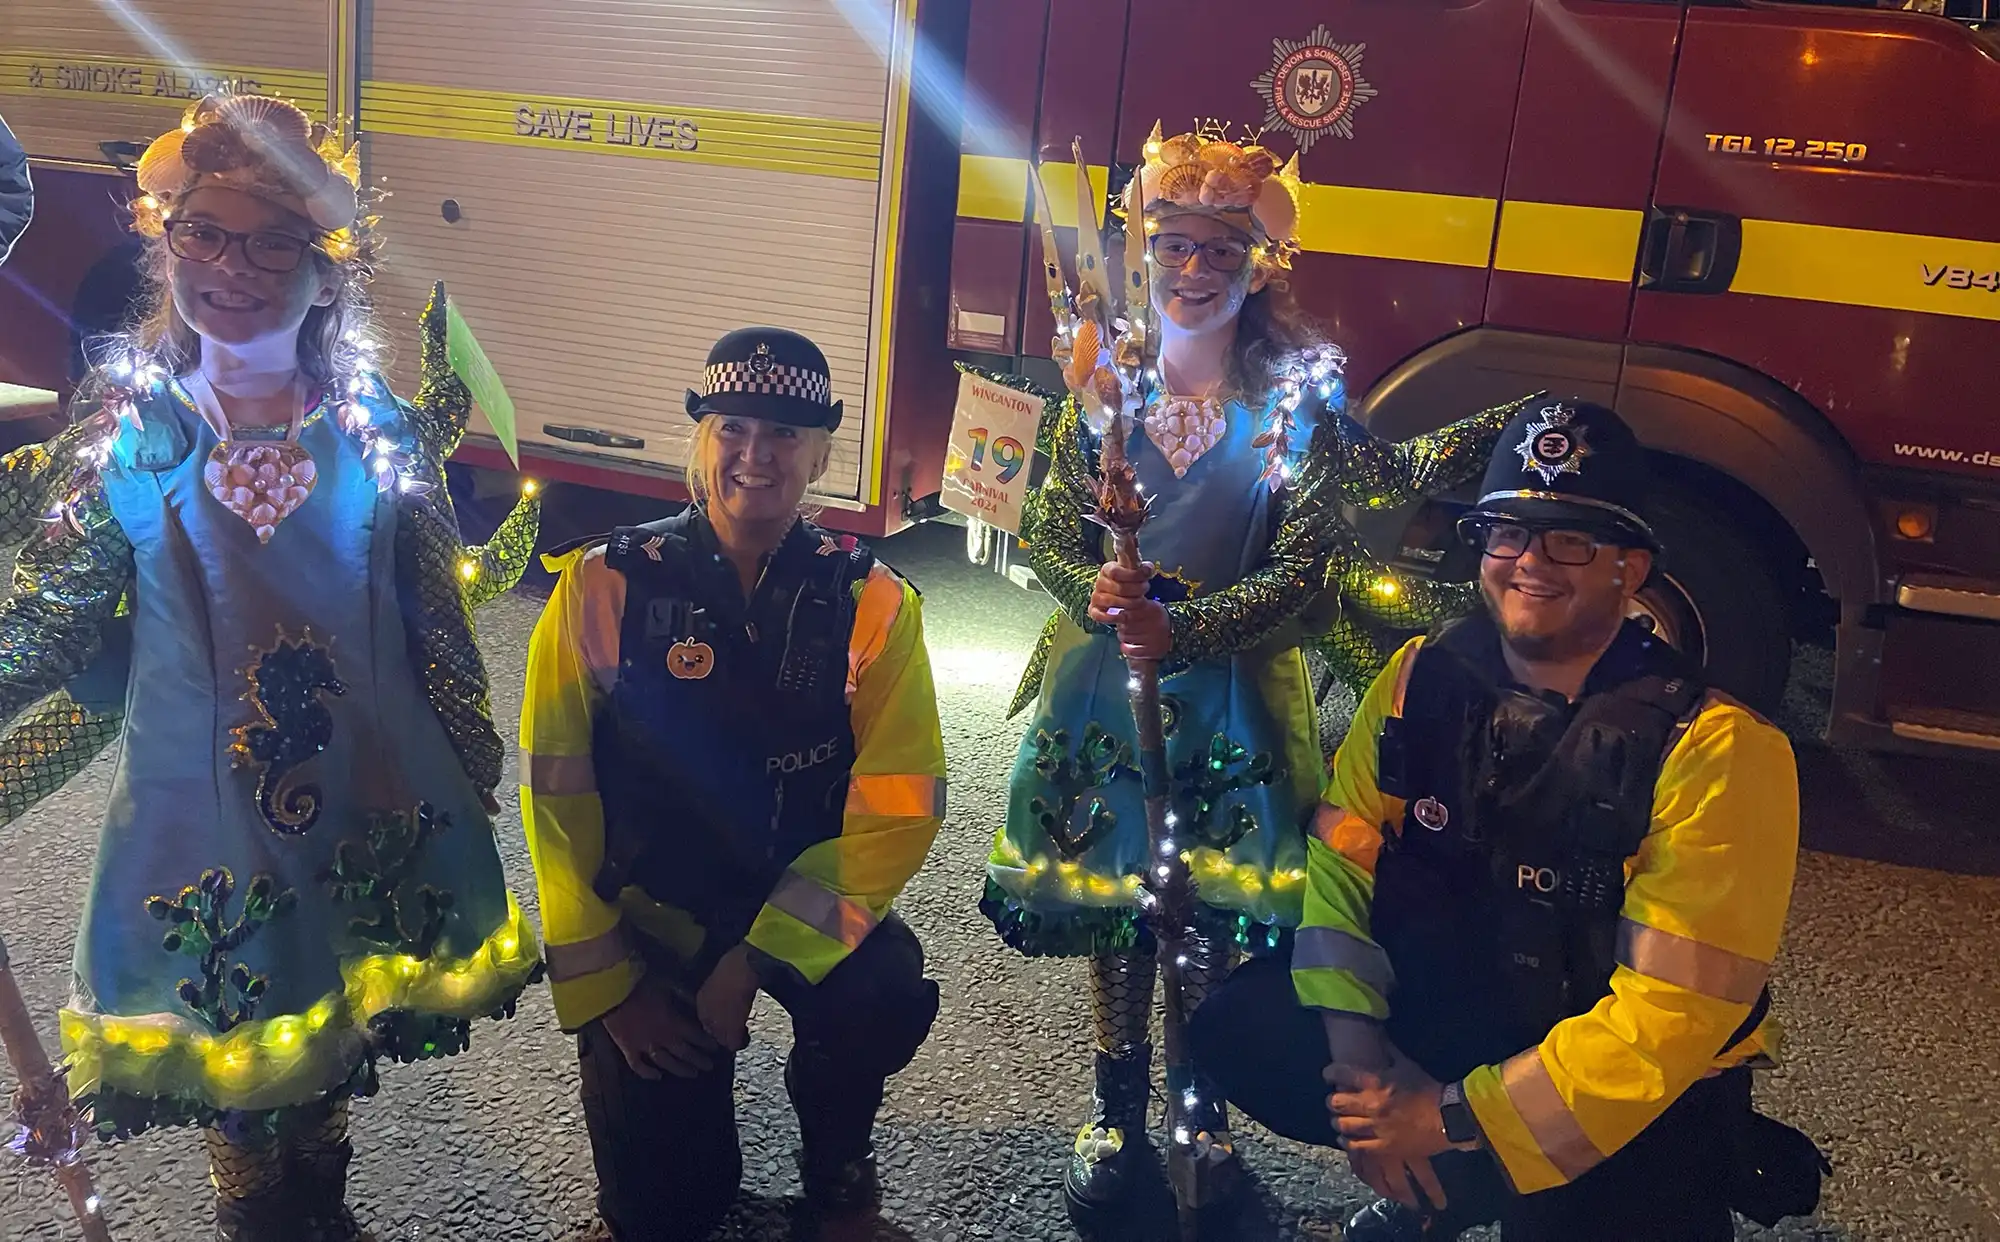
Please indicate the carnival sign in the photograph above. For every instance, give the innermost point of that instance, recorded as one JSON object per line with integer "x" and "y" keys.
{"x": 1313, "y": 87}
{"x": 986, "y": 461}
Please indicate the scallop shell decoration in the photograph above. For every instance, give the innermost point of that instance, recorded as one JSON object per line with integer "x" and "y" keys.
{"x": 161, "y": 169}
{"x": 1085, "y": 353}
{"x": 261, "y": 482}
{"x": 257, "y": 144}
{"x": 1185, "y": 149}
{"x": 1182, "y": 181}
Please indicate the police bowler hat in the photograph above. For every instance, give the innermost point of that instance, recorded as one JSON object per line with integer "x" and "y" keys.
{"x": 1567, "y": 464}
{"x": 771, "y": 373}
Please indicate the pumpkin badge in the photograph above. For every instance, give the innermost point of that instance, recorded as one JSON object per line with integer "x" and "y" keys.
{"x": 690, "y": 660}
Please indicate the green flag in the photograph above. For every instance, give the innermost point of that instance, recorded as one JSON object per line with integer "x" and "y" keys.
{"x": 472, "y": 366}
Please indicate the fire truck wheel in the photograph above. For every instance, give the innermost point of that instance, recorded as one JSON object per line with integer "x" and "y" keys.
{"x": 1714, "y": 596}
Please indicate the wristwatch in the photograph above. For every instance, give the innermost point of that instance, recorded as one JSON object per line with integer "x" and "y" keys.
{"x": 1460, "y": 1126}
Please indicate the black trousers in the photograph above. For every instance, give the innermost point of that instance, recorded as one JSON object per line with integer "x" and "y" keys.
{"x": 1268, "y": 1053}
{"x": 668, "y": 1163}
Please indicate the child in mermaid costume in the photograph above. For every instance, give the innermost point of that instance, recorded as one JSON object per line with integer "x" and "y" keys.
{"x": 1246, "y": 457}
{"x": 253, "y": 573}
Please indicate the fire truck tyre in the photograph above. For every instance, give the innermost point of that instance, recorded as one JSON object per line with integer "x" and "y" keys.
{"x": 1714, "y": 596}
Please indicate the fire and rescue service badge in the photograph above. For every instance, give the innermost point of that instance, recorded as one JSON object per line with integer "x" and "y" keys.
{"x": 1552, "y": 447}
{"x": 1314, "y": 86}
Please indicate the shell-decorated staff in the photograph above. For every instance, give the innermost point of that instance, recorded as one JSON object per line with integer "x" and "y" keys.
{"x": 1246, "y": 456}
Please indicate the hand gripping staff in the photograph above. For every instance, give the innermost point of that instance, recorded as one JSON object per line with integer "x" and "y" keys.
{"x": 1105, "y": 343}
{"x": 51, "y": 1133}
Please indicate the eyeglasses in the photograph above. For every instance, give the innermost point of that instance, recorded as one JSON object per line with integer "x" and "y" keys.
{"x": 198, "y": 241}
{"x": 1176, "y": 250}
{"x": 1508, "y": 541}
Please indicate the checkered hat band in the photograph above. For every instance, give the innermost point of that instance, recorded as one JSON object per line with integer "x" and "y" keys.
{"x": 777, "y": 380}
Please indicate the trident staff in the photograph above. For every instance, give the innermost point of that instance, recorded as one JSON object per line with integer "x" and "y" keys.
{"x": 1110, "y": 377}
{"x": 52, "y": 1132}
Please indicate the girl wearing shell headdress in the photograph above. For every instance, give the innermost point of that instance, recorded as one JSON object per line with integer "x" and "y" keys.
{"x": 296, "y": 874}
{"x": 1246, "y": 458}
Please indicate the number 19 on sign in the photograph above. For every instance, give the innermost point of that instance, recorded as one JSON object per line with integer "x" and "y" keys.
{"x": 1007, "y": 453}
{"x": 988, "y": 462}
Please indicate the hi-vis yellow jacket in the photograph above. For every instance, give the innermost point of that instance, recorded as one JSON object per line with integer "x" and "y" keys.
{"x": 832, "y": 895}
{"x": 1705, "y": 904}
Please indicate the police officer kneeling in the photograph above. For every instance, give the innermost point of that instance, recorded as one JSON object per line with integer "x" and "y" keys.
{"x": 733, "y": 765}
{"x": 1545, "y": 888}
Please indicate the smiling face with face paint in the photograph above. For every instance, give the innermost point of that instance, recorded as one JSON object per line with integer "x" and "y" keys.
{"x": 1204, "y": 270}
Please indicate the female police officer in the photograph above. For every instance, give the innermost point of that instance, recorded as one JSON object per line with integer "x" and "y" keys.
{"x": 733, "y": 765}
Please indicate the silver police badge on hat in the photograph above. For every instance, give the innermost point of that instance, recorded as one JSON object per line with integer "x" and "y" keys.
{"x": 1552, "y": 446}
{"x": 761, "y": 361}
{"x": 1431, "y": 814}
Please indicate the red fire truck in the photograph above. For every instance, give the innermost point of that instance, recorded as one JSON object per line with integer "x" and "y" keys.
{"x": 1760, "y": 229}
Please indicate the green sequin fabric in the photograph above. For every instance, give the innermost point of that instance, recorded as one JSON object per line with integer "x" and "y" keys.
{"x": 499, "y": 563}
{"x": 67, "y": 585}
{"x": 428, "y": 555}
{"x": 23, "y": 487}
{"x": 47, "y": 747}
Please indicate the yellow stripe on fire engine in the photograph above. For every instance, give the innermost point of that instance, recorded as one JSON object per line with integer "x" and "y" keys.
{"x": 888, "y": 256}
{"x": 86, "y": 77}
{"x": 993, "y": 188}
{"x": 1452, "y": 229}
{"x": 1333, "y": 219}
{"x": 851, "y": 150}
{"x": 1557, "y": 239}
{"x": 1863, "y": 267}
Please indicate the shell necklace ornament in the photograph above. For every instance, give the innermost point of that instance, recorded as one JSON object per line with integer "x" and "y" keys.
{"x": 1184, "y": 428}
{"x": 261, "y": 481}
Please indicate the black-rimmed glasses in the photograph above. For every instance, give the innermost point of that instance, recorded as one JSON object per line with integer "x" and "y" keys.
{"x": 268, "y": 250}
{"x": 1177, "y": 250}
{"x": 1508, "y": 541}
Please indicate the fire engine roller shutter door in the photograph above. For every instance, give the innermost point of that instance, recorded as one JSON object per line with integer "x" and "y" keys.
{"x": 75, "y": 73}
{"x": 631, "y": 181}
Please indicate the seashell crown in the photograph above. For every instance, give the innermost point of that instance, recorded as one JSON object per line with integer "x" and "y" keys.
{"x": 261, "y": 146}
{"x": 1203, "y": 172}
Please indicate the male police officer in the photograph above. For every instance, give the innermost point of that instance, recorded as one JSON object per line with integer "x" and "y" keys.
{"x": 1546, "y": 885}
{"x": 733, "y": 766}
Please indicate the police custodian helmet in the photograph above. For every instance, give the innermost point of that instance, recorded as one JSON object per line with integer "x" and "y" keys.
{"x": 1568, "y": 464}
{"x": 772, "y": 373}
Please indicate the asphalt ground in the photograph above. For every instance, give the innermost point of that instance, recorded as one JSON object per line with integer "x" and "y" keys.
{"x": 1887, "y": 987}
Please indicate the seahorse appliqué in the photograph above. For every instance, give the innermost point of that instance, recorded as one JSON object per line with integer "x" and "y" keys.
{"x": 286, "y": 683}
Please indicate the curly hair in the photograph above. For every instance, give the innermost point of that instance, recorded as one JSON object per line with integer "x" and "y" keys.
{"x": 1271, "y": 328}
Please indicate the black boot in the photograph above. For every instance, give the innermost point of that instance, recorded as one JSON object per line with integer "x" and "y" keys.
{"x": 844, "y": 1188}
{"x": 1101, "y": 1165}
{"x": 836, "y": 1120}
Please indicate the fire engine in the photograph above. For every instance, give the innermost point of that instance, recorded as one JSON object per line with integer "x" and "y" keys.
{"x": 1759, "y": 229}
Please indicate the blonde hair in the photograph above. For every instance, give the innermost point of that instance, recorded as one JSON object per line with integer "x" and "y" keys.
{"x": 701, "y": 453}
